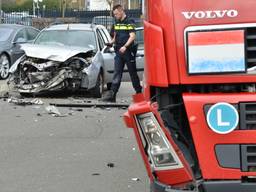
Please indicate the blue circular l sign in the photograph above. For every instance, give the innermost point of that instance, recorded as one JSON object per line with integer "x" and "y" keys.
{"x": 222, "y": 118}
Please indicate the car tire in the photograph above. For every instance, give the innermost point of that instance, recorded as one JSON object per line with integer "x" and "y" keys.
{"x": 4, "y": 66}
{"x": 97, "y": 91}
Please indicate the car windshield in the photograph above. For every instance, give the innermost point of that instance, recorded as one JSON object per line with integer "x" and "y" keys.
{"x": 5, "y": 33}
{"x": 77, "y": 38}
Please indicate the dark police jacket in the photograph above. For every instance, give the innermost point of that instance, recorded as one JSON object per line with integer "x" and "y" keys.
{"x": 122, "y": 30}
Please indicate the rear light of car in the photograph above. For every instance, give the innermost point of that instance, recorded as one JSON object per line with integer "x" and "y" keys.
{"x": 161, "y": 153}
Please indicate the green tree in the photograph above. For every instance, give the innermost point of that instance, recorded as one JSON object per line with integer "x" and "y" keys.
{"x": 6, "y": 6}
{"x": 51, "y": 4}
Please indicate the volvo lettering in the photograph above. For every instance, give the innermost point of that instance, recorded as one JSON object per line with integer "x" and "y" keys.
{"x": 210, "y": 14}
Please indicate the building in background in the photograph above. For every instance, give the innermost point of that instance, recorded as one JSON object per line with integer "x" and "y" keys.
{"x": 102, "y": 4}
{"x": 72, "y": 4}
{"x": 76, "y": 4}
{"x": 87, "y": 4}
{"x": 98, "y": 5}
{"x": 129, "y": 4}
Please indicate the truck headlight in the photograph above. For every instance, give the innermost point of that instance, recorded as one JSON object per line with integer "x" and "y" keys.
{"x": 159, "y": 149}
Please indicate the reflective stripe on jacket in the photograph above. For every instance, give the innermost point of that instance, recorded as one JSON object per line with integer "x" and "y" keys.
{"x": 120, "y": 26}
{"x": 122, "y": 30}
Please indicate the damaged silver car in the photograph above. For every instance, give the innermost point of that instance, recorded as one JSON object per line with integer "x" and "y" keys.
{"x": 63, "y": 57}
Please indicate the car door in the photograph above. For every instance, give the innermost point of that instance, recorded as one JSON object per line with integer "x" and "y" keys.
{"x": 18, "y": 39}
{"x": 108, "y": 55}
{"x": 140, "y": 52}
{"x": 98, "y": 55}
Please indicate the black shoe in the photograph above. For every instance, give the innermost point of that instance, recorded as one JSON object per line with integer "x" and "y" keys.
{"x": 110, "y": 96}
{"x": 139, "y": 91}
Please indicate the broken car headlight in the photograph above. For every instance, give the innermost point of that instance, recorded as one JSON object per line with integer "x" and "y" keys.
{"x": 160, "y": 151}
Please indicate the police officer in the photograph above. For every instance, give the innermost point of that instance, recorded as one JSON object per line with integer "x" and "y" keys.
{"x": 125, "y": 49}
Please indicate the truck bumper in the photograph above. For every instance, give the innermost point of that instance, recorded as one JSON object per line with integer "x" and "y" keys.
{"x": 209, "y": 186}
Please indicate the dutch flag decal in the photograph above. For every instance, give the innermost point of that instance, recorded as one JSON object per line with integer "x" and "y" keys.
{"x": 216, "y": 52}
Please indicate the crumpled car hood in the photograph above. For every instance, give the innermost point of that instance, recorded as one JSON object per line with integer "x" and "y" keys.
{"x": 52, "y": 52}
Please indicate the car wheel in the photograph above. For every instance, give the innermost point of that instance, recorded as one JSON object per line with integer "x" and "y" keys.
{"x": 4, "y": 66}
{"x": 98, "y": 89}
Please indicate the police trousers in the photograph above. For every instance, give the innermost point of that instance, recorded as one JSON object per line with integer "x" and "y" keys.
{"x": 128, "y": 58}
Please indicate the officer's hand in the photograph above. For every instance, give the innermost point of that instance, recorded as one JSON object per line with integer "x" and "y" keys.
{"x": 122, "y": 49}
{"x": 109, "y": 44}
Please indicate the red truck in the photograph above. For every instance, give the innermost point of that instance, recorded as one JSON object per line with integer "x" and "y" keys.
{"x": 195, "y": 123}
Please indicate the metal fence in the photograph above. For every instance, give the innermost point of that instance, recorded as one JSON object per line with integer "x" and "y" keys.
{"x": 102, "y": 17}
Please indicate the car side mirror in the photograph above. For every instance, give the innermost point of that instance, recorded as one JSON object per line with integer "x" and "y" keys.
{"x": 109, "y": 50}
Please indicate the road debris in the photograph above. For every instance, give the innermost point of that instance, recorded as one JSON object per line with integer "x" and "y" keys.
{"x": 135, "y": 179}
{"x": 54, "y": 111}
{"x": 74, "y": 109}
{"x": 89, "y": 105}
{"x": 124, "y": 101}
{"x": 5, "y": 95}
{"x": 111, "y": 165}
{"x": 25, "y": 101}
{"x": 89, "y": 116}
{"x": 37, "y": 102}
{"x": 95, "y": 174}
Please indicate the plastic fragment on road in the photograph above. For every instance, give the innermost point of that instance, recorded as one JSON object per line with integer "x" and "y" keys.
{"x": 135, "y": 179}
{"x": 25, "y": 101}
{"x": 54, "y": 111}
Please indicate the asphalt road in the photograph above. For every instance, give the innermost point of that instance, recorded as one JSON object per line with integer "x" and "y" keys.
{"x": 87, "y": 150}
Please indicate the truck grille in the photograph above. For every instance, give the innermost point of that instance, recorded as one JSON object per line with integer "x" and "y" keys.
{"x": 237, "y": 156}
{"x": 248, "y": 154}
{"x": 247, "y": 116}
{"x": 251, "y": 47}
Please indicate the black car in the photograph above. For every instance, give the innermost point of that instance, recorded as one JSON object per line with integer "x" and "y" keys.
{"x": 11, "y": 36}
